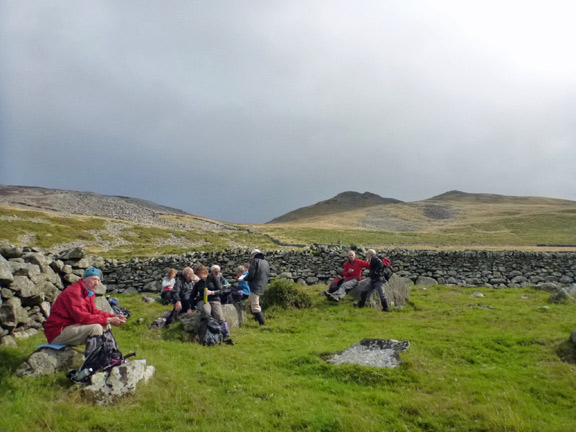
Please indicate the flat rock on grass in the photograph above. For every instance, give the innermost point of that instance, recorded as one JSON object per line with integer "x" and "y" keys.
{"x": 381, "y": 353}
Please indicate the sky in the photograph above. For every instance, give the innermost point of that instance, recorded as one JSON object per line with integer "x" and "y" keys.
{"x": 242, "y": 111}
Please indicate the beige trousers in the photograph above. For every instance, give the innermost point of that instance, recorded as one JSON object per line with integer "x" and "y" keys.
{"x": 78, "y": 334}
{"x": 254, "y": 301}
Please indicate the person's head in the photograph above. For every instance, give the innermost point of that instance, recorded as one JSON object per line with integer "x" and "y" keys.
{"x": 188, "y": 273}
{"x": 215, "y": 270}
{"x": 254, "y": 253}
{"x": 91, "y": 277}
{"x": 240, "y": 270}
{"x": 351, "y": 256}
{"x": 172, "y": 273}
{"x": 201, "y": 271}
{"x": 371, "y": 253}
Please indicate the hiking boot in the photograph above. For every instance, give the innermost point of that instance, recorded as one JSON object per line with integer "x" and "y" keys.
{"x": 259, "y": 316}
{"x": 229, "y": 342}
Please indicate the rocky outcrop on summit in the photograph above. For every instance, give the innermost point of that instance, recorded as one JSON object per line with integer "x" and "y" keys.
{"x": 342, "y": 202}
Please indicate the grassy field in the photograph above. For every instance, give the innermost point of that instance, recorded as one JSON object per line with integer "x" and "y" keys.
{"x": 497, "y": 363}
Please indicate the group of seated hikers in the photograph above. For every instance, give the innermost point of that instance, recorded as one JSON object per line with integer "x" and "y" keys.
{"x": 205, "y": 291}
{"x": 75, "y": 320}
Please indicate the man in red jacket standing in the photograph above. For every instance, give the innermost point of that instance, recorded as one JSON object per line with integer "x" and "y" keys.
{"x": 352, "y": 273}
{"x": 74, "y": 316}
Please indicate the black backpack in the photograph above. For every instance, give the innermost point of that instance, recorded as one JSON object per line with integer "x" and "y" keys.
{"x": 209, "y": 332}
{"x": 101, "y": 354}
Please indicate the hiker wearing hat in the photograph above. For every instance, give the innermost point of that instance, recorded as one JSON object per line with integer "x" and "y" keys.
{"x": 74, "y": 316}
{"x": 257, "y": 277}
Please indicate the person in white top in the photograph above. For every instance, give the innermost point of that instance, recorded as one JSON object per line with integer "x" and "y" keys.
{"x": 167, "y": 285}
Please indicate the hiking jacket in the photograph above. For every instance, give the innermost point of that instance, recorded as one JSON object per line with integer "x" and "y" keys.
{"x": 243, "y": 286}
{"x": 182, "y": 289}
{"x": 73, "y": 306}
{"x": 258, "y": 274}
{"x": 197, "y": 295}
{"x": 356, "y": 267}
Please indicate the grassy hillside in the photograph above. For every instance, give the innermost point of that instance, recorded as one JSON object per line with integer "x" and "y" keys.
{"x": 452, "y": 220}
{"x": 497, "y": 363}
{"x": 112, "y": 238}
{"x": 466, "y": 221}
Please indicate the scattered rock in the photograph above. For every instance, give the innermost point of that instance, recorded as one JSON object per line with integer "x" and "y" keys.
{"x": 397, "y": 291}
{"x": 425, "y": 281}
{"x": 381, "y": 353}
{"x": 107, "y": 387}
{"x": 47, "y": 361}
{"x": 560, "y": 295}
{"x": 477, "y": 294}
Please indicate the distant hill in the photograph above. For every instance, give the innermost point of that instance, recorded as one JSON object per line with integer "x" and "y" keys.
{"x": 84, "y": 203}
{"x": 464, "y": 197}
{"x": 343, "y": 202}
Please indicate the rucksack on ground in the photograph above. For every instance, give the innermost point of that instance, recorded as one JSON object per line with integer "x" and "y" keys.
{"x": 115, "y": 305}
{"x": 209, "y": 332}
{"x": 101, "y": 354}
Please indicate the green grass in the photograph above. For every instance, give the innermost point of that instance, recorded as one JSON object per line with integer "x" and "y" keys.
{"x": 49, "y": 231}
{"x": 496, "y": 363}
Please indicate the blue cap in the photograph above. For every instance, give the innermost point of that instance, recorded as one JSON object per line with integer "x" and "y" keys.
{"x": 92, "y": 271}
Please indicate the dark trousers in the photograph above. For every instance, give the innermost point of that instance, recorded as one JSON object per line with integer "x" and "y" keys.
{"x": 375, "y": 285}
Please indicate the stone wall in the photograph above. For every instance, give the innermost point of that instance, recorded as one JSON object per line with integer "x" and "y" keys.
{"x": 506, "y": 269}
{"x": 31, "y": 280}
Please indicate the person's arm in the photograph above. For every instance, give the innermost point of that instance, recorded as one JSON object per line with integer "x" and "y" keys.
{"x": 214, "y": 285}
{"x": 251, "y": 271}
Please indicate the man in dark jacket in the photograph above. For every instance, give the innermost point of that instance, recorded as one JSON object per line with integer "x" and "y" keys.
{"x": 257, "y": 277}
{"x": 181, "y": 294}
{"x": 377, "y": 280}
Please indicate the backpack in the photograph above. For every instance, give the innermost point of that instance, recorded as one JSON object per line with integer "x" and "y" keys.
{"x": 101, "y": 354}
{"x": 386, "y": 270}
{"x": 114, "y": 304}
{"x": 209, "y": 332}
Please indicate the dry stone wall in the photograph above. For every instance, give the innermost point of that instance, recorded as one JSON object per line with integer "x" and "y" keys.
{"x": 506, "y": 269}
{"x": 31, "y": 280}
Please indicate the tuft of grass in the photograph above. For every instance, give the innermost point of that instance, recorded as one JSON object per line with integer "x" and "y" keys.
{"x": 474, "y": 364}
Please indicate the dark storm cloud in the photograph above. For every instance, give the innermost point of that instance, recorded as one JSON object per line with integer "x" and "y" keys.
{"x": 242, "y": 111}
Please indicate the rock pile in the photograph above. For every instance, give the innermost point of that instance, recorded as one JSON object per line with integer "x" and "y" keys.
{"x": 30, "y": 281}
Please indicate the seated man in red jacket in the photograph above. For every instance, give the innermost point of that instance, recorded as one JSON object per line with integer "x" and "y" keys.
{"x": 352, "y": 273}
{"x": 74, "y": 316}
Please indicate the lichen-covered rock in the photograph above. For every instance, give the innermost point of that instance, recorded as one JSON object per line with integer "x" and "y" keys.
{"x": 107, "y": 387}
{"x": 47, "y": 361}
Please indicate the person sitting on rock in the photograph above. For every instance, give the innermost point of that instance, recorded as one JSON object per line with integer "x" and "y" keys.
{"x": 167, "y": 286}
{"x": 181, "y": 294}
{"x": 352, "y": 274}
{"x": 206, "y": 297}
{"x": 242, "y": 289}
{"x": 216, "y": 273}
{"x": 74, "y": 316}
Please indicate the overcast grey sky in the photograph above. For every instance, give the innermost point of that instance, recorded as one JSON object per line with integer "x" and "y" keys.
{"x": 244, "y": 110}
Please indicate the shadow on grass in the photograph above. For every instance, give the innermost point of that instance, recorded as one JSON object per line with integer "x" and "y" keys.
{"x": 9, "y": 361}
{"x": 567, "y": 352}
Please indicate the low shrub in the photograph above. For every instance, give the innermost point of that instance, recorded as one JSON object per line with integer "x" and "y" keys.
{"x": 285, "y": 294}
